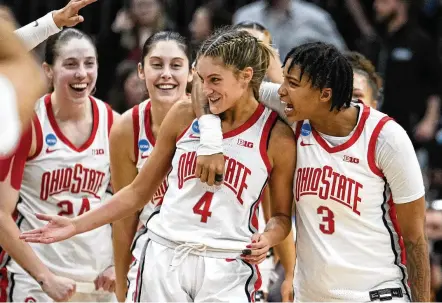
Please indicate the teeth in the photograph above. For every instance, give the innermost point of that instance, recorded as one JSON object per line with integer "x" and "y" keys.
{"x": 214, "y": 99}
{"x": 166, "y": 86}
{"x": 79, "y": 86}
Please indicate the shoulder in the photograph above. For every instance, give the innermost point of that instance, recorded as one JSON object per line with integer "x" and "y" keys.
{"x": 179, "y": 117}
{"x": 122, "y": 132}
{"x": 282, "y": 139}
{"x": 393, "y": 135}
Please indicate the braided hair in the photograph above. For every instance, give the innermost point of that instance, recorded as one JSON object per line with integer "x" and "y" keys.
{"x": 238, "y": 49}
{"x": 325, "y": 67}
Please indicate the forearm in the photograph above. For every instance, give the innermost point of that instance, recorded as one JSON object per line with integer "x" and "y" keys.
{"x": 20, "y": 251}
{"x": 122, "y": 204}
{"x": 38, "y": 31}
{"x": 123, "y": 232}
{"x": 418, "y": 267}
{"x": 277, "y": 229}
{"x": 286, "y": 252}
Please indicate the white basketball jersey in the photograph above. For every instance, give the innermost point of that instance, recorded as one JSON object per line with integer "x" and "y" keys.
{"x": 61, "y": 179}
{"x": 145, "y": 143}
{"x": 223, "y": 217}
{"x": 347, "y": 237}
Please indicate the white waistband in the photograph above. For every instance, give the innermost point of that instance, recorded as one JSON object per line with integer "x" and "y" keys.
{"x": 198, "y": 249}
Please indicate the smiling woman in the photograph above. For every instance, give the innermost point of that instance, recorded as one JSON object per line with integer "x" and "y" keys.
{"x": 61, "y": 166}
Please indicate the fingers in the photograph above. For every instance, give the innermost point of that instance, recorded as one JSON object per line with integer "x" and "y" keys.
{"x": 44, "y": 217}
{"x": 79, "y": 4}
{"x": 219, "y": 171}
{"x": 204, "y": 174}
{"x": 211, "y": 175}
{"x": 198, "y": 169}
{"x": 109, "y": 285}
{"x": 34, "y": 232}
{"x": 99, "y": 282}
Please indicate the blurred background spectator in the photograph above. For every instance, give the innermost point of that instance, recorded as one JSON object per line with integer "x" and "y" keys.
{"x": 400, "y": 37}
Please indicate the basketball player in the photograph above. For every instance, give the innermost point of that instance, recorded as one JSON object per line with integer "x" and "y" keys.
{"x": 62, "y": 167}
{"x": 358, "y": 189}
{"x": 21, "y": 81}
{"x": 165, "y": 68}
{"x": 367, "y": 84}
{"x": 203, "y": 244}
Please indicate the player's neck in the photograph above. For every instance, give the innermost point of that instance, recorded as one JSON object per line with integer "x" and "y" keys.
{"x": 65, "y": 109}
{"x": 158, "y": 112}
{"x": 239, "y": 113}
{"x": 337, "y": 123}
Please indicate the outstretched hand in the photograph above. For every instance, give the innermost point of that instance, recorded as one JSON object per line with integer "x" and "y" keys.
{"x": 58, "y": 229}
{"x": 68, "y": 15}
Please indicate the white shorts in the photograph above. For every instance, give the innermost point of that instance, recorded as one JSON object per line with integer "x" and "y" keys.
{"x": 23, "y": 288}
{"x": 195, "y": 278}
{"x": 138, "y": 244}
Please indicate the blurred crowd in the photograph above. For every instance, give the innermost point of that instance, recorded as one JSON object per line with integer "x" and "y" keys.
{"x": 400, "y": 37}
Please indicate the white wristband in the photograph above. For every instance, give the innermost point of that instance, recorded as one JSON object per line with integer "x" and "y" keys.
{"x": 38, "y": 31}
{"x": 211, "y": 135}
{"x": 9, "y": 117}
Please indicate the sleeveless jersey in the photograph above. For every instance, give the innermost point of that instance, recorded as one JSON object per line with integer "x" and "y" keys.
{"x": 220, "y": 217}
{"x": 61, "y": 179}
{"x": 347, "y": 236}
{"x": 144, "y": 144}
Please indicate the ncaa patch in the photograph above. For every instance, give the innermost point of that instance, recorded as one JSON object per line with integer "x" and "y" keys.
{"x": 51, "y": 140}
{"x": 195, "y": 127}
{"x": 306, "y": 129}
{"x": 143, "y": 145}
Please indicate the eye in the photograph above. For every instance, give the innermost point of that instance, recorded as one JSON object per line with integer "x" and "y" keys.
{"x": 176, "y": 66}
{"x": 156, "y": 65}
{"x": 215, "y": 80}
{"x": 293, "y": 84}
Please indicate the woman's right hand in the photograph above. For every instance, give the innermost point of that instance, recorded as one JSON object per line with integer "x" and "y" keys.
{"x": 60, "y": 289}
{"x": 58, "y": 229}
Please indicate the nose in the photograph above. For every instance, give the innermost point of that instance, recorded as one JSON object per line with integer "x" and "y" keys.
{"x": 81, "y": 72}
{"x": 282, "y": 91}
{"x": 166, "y": 74}
{"x": 207, "y": 90}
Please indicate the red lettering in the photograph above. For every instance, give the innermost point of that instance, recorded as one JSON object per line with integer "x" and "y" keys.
{"x": 78, "y": 169}
{"x": 44, "y": 192}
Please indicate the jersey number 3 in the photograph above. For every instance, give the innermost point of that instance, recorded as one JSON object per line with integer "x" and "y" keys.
{"x": 67, "y": 208}
{"x": 202, "y": 207}
{"x": 328, "y": 220}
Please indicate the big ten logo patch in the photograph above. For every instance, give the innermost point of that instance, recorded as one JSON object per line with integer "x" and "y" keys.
{"x": 195, "y": 127}
{"x": 306, "y": 129}
{"x": 351, "y": 159}
{"x": 143, "y": 145}
{"x": 51, "y": 140}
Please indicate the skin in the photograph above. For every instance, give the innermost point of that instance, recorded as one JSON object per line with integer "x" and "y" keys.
{"x": 313, "y": 104}
{"x": 74, "y": 117}
{"x": 165, "y": 63}
{"x": 132, "y": 197}
{"x": 363, "y": 91}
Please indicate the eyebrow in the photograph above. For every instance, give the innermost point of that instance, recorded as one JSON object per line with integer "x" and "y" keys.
{"x": 174, "y": 58}
{"x": 211, "y": 75}
{"x": 74, "y": 58}
{"x": 291, "y": 78}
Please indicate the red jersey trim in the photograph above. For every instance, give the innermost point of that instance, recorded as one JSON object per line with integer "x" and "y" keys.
{"x": 263, "y": 144}
{"x": 38, "y": 138}
{"x": 298, "y": 130}
{"x": 242, "y": 128}
{"x": 110, "y": 118}
{"x": 371, "y": 153}
{"x": 63, "y": 138}
{"x": 136, "y": 127}
{"x": 351, "y": 141}
{"x": 147, "y": 124}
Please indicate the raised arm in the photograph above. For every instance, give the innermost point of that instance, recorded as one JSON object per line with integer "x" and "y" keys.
{"x": 132, "y": 197}
{"x": 38, "y": 31}
{"x": 123, "y": 172}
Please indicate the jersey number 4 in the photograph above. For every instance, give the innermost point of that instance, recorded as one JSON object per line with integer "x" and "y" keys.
{"x": 328, "y": 220}
{"x": 67, "y": 208}
{"x": 202, "y": 207}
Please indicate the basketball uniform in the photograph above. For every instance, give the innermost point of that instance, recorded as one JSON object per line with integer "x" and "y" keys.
{"x": 145, "y": 143}
{"x": 61, "y": 179}
{"x": 196, "y": 239}
{"x": 348, "y": 244}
